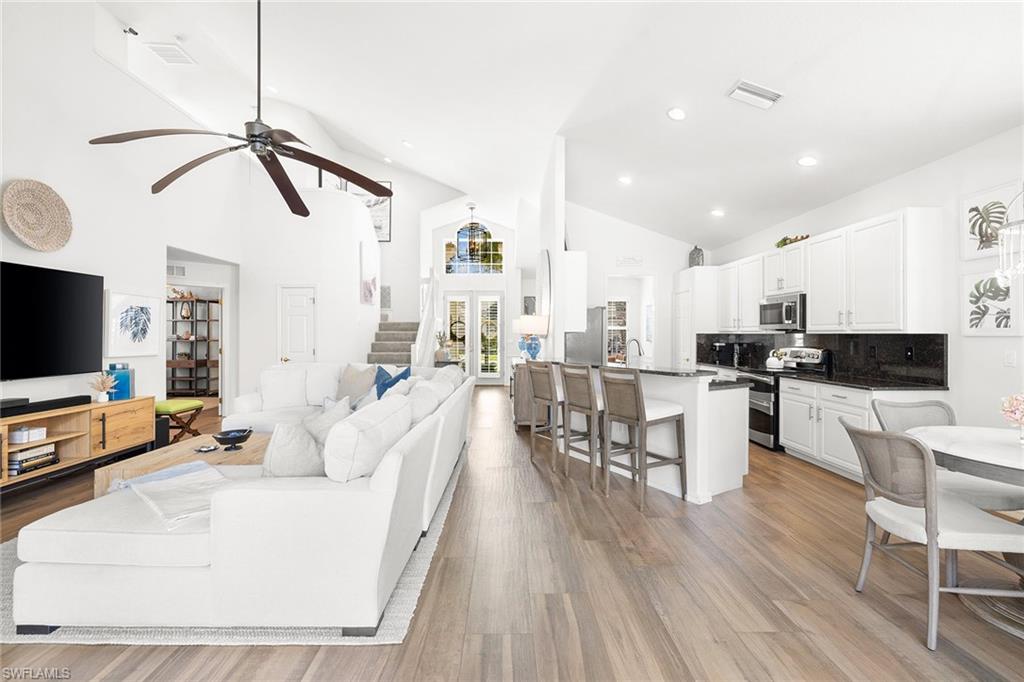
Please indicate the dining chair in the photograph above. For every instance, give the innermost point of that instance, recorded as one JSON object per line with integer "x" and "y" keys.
{"x": 981, "y": 492}
{"x": 547, "y": 396}
{"x": 904, "y": 499}
{"x": 624, "y": 403}
{"x": 581, "y": 397}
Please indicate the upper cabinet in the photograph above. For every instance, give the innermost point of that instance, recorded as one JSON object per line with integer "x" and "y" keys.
{"x": 826, "y": 282}
{"x": 876, "y": 275}
{"x": 784, "y": 270}
{"x": 749, "y": 294}
{"x": 728, "y": 303}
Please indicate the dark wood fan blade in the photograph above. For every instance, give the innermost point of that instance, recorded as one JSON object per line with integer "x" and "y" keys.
{"x": 355, "y": 178}
{"x": 280, "y": 136}
{"x": 284, "y": 185}
{"x": 163, "y": 182}
{"x": 158, "y": 132}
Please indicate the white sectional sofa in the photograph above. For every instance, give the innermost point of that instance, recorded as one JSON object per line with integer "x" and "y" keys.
{"x": 307, "y": 551}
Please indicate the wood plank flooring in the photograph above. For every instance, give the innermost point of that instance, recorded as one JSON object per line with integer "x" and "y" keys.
{"x": 538, "y": 578}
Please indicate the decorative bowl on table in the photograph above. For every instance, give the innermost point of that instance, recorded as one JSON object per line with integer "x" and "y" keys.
{"x": 233, "y": 438}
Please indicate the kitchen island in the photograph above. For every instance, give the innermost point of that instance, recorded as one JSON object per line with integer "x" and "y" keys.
{"x": 715, "y": 431}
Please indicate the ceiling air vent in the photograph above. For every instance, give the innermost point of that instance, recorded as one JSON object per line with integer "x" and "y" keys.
{"x": 755, "y": 95}
{"x": 171, "y": 53}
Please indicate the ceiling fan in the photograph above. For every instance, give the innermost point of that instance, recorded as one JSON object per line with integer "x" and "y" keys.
{"x": 265, "y": 142}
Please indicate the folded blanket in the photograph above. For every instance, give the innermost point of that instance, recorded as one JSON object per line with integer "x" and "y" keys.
{"x": 179, "y": 493}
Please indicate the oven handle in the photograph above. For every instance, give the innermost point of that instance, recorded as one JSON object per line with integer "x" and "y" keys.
{"x": 754, "y": 377}
{"x": 766, "y": 408}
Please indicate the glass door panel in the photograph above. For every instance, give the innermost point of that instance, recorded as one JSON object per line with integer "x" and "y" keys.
{"x": 489, "y": 332}
{"x": 456, "y": 323}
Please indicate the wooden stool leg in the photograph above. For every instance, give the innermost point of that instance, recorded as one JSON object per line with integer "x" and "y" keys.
{"x": 553, "y": 417}
{"x": 184, "y": 427}
{"x": 641, "y": 455}
{"x": 533, "y": 428}
{"x": 605, "y": 456}
{"x": 592, "y": 426}
{"x": 567, "y": 431}
{"x": 632, "y": 454}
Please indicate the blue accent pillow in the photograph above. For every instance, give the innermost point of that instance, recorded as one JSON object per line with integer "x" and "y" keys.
{"x": 384, "y": 381}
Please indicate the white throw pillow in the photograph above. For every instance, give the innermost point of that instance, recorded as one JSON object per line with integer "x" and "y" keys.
{"x": 402, "y": 387}
{"x": 321, "y": 382}
{"x": 283, "y": 387}
{"x": 423, "y": 401}
{"x": 292, "y": 451}
{"x": 356, "y": 445}
{"x": 355, "y": 382}
{"x": 319, "y": 424}
{"x": 442, "y": 388}
{"x": 453, "y": 374}
{"x": 367, "y": 398}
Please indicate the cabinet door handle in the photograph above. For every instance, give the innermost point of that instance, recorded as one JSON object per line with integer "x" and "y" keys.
{"x": 849, "y": 317}
{"x": 103, "y": 430}
{"x": 840, "y": 317}
{"x": 819, "y": 414}
{"x": 841, "y": 397}
{"x": 810, "y": 413}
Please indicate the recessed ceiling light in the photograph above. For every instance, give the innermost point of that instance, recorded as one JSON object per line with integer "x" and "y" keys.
{"x": 406, "y": 143}
{"x": 387, "y": 159}
{"x": 626, "y": 180}
{"x": 807, "y": 161}
{"x": 717, "y": 212}
{"x": 676, "y": 114}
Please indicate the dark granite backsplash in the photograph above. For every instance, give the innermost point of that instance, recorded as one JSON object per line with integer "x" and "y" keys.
{"x": 878, "y": 356}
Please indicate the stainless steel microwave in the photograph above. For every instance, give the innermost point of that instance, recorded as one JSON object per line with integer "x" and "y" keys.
{"x": 784, "y": 313}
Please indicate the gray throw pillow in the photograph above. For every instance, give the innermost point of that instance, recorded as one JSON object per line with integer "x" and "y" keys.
{"x": 319, "y": 425}
{"x": 292, "y": 451}
{"x": 356, "y": 382}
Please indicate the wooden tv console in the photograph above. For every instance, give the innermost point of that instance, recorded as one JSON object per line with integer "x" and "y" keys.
{"x": 81, "y": 433}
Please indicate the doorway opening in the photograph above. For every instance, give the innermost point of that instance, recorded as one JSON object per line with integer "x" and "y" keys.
{"x": 631, "y": 319}
{"x": 473, "y": 322}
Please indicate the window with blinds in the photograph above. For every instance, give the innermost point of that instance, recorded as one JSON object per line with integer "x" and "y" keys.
{"x": 457, "y": 330}
{"x": 490, "y": 337}
{"x": 617, "y": 332}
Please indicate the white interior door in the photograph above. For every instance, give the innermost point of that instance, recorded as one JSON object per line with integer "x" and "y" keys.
{"x": 475, "y": 327}
{"x": 297, "y": 325}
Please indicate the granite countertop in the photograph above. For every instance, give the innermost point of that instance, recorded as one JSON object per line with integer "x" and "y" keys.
{"x": 725, "y": 384}
{"x": 661, "y": 371}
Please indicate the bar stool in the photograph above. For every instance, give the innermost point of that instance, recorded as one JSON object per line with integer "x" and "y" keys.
{"x": 581, "y": 398}
{"x": 546, "y": 394}
{"x": 624, "y": 403}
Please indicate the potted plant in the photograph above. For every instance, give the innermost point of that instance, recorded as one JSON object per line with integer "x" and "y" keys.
{"x": 103, "y": 383}
{"x": 441, "y": 354}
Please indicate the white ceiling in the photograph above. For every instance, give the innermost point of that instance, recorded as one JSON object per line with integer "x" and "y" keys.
{"x": 872, "y": 90}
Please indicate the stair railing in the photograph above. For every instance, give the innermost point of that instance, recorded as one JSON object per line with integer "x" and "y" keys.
{"x": 422, "y": 352}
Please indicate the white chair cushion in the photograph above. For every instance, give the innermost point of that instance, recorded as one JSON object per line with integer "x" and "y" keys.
{"x": 118, "y": 529}
{"x": 292, "y": 451}
{"x": 356, "y": 445}
{"x": 264, "y": 422}
{"x": 961, "y": 525}
{"x": 319, "y": 423}
{"x": 283, "y": 387}
{"x": 981, "y": 492}
{"x": 659, "y": 409}
{"x": 321, "y": 382}
{"x": 423, "y": 401}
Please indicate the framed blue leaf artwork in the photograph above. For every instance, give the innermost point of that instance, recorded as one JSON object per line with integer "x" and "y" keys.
{"x": 132, "y": 325}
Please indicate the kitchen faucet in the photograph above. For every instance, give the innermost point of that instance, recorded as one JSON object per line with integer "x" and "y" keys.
{"x": 640, "y": 349}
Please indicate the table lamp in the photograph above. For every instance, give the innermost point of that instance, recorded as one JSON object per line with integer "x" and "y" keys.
{"x": 530, "y": 328}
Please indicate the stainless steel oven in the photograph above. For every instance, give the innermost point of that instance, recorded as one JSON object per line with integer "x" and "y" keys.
{"x": 763, "y": 411}
{"x": 783, "y": 313}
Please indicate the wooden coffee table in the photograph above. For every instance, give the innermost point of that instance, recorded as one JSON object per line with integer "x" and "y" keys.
{"x": 179, "y": 453}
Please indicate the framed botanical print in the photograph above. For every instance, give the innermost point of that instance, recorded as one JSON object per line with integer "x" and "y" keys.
{"x": 379, "y": 207}
{"x": 132, "y": 325}
{"x": 988, "y": 306}
{"x": 982, "y": 214}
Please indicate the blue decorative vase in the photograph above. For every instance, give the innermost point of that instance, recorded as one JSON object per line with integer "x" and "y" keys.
{"x": 530, "y": 345}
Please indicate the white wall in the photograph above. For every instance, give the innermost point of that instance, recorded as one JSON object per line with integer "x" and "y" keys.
{"x": 617, "y": 248}
{"x": 58, "y": 93}
{"x": 978, "y": 377}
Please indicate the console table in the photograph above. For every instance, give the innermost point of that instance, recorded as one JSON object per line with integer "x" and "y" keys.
{"x": 80, "y": 433}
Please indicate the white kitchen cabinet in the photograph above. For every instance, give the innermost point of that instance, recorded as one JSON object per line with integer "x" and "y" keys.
{"x": 826, "y": 282}
{"x": 797, "y": 421}
{"x": 694, "y": 311}
{"x": 783, "y": 270}
{"x": 875, "y": 275}
{"x": 728, "y": 299}
{"x": 749, "y": 294}
{"x": 834, "y": 444}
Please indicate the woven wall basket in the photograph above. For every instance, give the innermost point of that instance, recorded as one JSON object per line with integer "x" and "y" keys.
{"x": 37, "y": 215}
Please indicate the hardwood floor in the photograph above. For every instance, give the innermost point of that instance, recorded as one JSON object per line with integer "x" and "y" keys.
{"x": 536, "y": 577}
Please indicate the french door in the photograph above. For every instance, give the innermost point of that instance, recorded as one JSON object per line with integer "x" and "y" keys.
{"x": 474, "y": 324}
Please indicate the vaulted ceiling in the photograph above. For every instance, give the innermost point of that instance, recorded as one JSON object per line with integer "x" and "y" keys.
{"x": 479, "y": 89}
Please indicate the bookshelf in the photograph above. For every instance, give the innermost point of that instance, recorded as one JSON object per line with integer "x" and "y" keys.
{"x": 193, "y": 363}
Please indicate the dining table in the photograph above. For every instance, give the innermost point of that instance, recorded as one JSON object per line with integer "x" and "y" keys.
{"x": 998, "y": 455}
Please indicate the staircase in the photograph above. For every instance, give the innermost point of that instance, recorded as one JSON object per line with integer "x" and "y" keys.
{"x": 392, "y": 345}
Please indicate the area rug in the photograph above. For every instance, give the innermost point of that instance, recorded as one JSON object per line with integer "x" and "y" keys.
{"x": 392, "y": 630}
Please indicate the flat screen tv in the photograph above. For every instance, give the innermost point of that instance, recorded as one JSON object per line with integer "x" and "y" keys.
{"x": 51, "y": 322}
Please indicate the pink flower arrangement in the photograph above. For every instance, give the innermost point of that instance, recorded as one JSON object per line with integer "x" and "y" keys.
{"x": 1013, "y": 409}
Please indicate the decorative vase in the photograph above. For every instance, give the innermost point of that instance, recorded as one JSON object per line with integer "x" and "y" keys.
{"x": 529, "y": 345}
{"x": 440, "y": 355}
{"x": 186, "y": 311}
{"x": 696, "y": 257}
{"x": 102, "y": 397}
